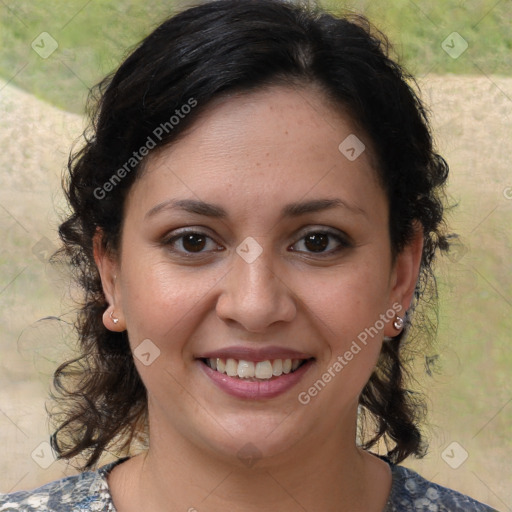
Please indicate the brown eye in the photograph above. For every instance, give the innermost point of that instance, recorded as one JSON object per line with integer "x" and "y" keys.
{"x": 322, "y": 243}
{"x": 191, "y": 242}
{"x": 194, "y": 242}
{"x": 317, "y": 242}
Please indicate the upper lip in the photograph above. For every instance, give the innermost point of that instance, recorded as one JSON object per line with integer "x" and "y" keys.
{"x": 255, "y": 354}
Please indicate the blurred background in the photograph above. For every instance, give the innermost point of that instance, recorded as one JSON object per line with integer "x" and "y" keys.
{"x": 52, "y": 52}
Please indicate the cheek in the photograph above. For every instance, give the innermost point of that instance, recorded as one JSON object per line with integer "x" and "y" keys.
{"x": 347, "y": 306}
{"x": 160, "y": 299}
{"x": 348, "y": 301}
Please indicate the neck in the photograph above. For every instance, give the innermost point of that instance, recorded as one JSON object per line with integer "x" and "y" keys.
{"x": 329, "y": 473}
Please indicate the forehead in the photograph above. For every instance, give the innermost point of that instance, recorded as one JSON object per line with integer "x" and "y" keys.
{"x": 264, "y": 145}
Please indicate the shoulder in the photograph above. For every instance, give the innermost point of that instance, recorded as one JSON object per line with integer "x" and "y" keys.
{"x": 412, "y": 492}
{"x": 87, "y": 491}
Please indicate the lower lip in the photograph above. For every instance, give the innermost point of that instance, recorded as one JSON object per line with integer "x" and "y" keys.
{"x": 255, "y": 390}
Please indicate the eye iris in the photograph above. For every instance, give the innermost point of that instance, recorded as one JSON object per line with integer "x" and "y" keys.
{"x": 194, "y": 243}
{"x": 317, "y": 242}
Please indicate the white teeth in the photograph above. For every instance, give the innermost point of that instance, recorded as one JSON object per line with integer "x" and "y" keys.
{"x": 231, "y": 367}
{"x": 277, "y": 367}
{"x": 263, "y": 370}
{"x": 247, "y": 369}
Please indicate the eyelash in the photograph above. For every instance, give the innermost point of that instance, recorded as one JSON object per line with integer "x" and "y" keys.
{"x": 343, "y": 242}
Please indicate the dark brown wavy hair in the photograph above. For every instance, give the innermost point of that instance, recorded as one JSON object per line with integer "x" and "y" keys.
{"x": 202, "y": 53}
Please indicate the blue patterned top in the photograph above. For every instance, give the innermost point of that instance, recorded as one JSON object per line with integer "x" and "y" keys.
{"x": 89, "y": 491}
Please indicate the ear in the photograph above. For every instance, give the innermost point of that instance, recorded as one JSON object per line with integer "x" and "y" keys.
{"x": 404, "y": 277}
{"x": 108, "y": 269}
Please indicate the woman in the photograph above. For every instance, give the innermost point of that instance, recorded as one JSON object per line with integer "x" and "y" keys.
{"x": 254, "y": 220}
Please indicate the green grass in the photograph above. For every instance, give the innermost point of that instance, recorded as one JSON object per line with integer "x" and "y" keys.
{"x": 94, "y": 36}
{"x": 417, "y": 30}
{"x": 92, "y": 41}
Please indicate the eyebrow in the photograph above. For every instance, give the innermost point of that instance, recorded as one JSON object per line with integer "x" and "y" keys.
{"x": 289, "y": 211}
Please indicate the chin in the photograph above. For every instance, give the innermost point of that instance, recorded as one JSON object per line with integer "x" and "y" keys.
{"x": 251, "y": 440}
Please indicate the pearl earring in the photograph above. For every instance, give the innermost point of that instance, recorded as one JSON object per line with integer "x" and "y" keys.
{"x": 398, "y": 323}
{"x": 115, "y": 320}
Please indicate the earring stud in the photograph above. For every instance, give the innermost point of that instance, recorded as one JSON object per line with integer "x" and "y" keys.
{"x": 115, "y": 320}
{"x": 398, "y": 323}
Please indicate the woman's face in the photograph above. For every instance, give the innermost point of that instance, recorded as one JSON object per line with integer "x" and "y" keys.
{"x": 253, "y": 241}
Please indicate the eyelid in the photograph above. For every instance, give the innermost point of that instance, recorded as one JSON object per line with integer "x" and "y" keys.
{"x": 325, "y": 230}
{"x": 188, "y": 230}
{"x": 178, "y": 234}
{"x": 342, "y": 238}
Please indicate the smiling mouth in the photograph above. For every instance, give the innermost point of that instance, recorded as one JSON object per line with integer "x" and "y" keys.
{"x": 254, "y": 371}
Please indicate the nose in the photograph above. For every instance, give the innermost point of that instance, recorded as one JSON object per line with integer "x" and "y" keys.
{"x": 255, "y": 296}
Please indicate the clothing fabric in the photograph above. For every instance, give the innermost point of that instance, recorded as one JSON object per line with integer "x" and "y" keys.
{"x": 89, "y": 492}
